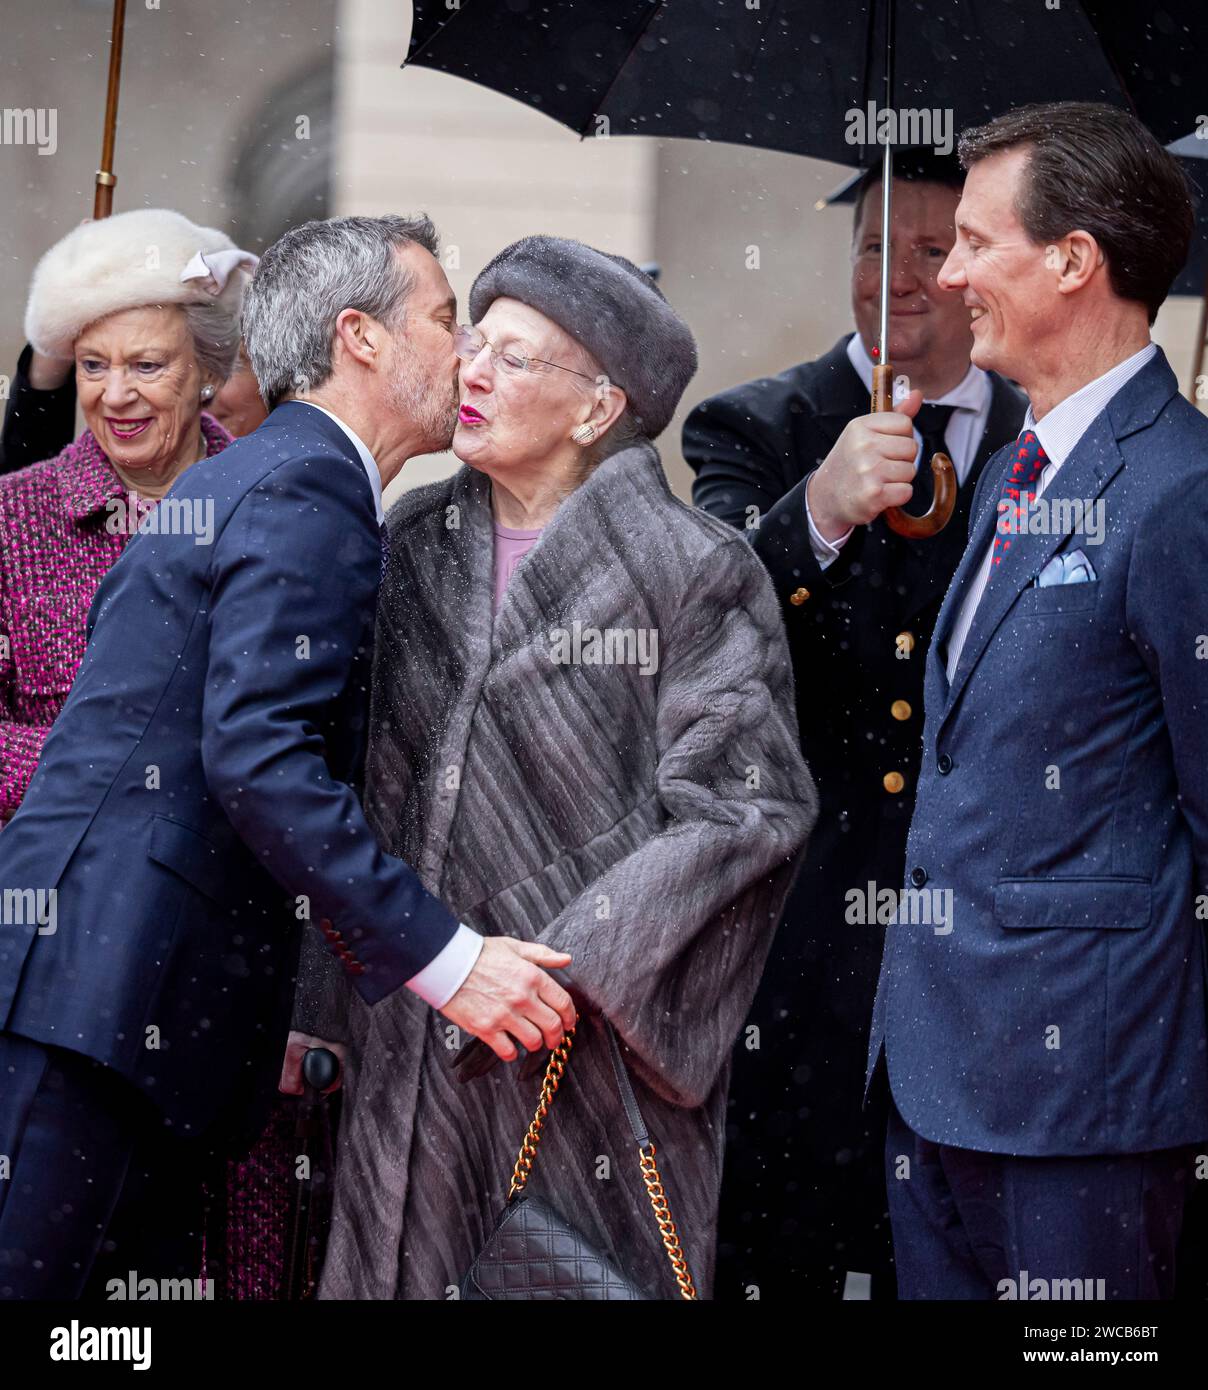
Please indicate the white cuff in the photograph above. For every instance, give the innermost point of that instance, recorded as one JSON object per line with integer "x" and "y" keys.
{"x": 825, "y": 552}
{"x": 443, "y": 976}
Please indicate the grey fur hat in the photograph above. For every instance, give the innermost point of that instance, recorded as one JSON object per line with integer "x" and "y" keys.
{"x": 606, "y": 303}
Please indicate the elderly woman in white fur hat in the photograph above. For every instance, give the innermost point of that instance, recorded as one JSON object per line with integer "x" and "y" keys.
{"x": 146, "y": 306}
{"x": 583, "y": 734}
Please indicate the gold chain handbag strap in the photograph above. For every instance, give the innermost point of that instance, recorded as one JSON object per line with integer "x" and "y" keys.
{"x": 554, "y": 1071}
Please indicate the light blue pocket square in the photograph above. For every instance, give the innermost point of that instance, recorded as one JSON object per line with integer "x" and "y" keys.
{"x": 1070, "y": 567}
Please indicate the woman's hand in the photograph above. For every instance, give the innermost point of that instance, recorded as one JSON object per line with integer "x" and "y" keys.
{"x": 48, "y": 373}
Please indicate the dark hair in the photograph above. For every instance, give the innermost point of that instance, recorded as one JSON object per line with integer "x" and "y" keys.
{"x": 911, "y": 166}
{"x": 1094, "y": 168}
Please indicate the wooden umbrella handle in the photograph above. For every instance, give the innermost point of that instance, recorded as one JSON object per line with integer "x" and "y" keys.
{"x": 102, "y": 203}
{"x": 943, "y": 475}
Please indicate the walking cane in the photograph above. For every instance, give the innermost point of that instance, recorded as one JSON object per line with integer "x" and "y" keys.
{"x": 320, "y": 1068}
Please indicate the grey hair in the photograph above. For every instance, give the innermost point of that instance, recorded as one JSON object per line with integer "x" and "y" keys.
{"x": 215, "y": 333}
{"x": 307, "y": 278}
{"x": 625, "y": 430}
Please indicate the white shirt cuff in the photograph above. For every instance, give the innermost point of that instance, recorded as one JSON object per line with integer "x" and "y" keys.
{"x": 443, "y": 976}
{"x": 825, "y": 552}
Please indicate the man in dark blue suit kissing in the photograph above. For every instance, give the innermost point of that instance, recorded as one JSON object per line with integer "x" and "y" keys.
{"x": 1047, "y": 1052}
{"x": 193, "y": 797}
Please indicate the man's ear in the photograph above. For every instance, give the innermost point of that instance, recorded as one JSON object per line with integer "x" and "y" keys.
{"x": 359, "y": 335}
{"x": 1078, "y": 257}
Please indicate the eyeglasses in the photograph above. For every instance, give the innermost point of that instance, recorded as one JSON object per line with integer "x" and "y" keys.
{"x": 468, "y": 343}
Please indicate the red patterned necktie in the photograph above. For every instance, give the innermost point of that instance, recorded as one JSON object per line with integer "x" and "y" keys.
{"x": 1026, "y": 466}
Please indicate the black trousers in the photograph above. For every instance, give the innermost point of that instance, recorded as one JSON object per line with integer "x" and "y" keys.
{"x": 803, "y": 1212}
{"x": 973, "y": 1225}
{"x": 98, "y": 1189}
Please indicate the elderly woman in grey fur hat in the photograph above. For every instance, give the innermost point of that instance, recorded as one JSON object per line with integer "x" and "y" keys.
{"x": 582, "y": 735}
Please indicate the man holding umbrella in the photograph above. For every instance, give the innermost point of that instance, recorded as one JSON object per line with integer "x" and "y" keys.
{"x": 800, "y": 463}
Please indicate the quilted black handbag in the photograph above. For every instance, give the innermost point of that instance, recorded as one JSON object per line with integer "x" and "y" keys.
{"x": 533, "y": 1253}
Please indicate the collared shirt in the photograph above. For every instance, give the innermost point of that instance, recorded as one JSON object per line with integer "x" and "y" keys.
{"x": 367, "y": 460}
{"x": 971, "y": 397}
{"x": 445, "y": 974}
{"x": 1058, "y": 432}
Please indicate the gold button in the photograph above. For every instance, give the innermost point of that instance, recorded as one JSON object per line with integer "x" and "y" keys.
{"x": 893, "y": 781}
{"x": 905, "y": 641}
{"x": 900, "y": 709}
{"x": 799, "y": 596}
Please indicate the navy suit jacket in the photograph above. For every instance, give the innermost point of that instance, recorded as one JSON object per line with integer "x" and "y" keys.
{"x": 192, "y": 804}
{"x": 1063, "y": 802}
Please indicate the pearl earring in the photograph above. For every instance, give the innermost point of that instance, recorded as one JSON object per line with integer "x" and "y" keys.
{"x": 584, "y": 434}
{"x": 206, "y": 392}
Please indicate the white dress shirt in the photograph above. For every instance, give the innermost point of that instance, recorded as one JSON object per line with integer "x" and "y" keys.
{"x": 971, "y": 396}
{"x": 445, "y": 974}
{"x": 1058, "y": 432}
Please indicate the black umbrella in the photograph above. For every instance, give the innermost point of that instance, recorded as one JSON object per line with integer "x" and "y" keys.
{"x": 833, "y": 81}
{"x": 320, "y": 1068}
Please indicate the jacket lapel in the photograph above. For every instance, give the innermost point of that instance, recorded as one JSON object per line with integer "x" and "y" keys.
{"x": 1095, "y": 460}
{"x": 1084, "y": 475}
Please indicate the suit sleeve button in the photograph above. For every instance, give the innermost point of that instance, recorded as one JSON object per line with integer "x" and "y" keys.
{"x": 944, "y": 764}
{"x": 798, "y": 597}
{"x": 918, "y": 876}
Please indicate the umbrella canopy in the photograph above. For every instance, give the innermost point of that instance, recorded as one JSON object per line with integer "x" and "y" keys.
{"x": 789, "y": 76}
{"x": 822, "y": 79}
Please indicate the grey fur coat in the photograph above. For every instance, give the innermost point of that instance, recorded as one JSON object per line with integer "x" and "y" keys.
{"x": 636, "y": 799}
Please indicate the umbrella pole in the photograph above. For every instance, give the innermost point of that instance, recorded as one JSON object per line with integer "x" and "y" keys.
{"x": 882, "y": 372}
{"x": 102, "y": 204}
{"x": 943, "y": 475}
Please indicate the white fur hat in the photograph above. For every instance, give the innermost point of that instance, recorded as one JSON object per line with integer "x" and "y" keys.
{"x": 126, "y": 261}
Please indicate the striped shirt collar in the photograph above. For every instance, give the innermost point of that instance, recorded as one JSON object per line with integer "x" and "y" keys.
{"x": 1068, "y": 421}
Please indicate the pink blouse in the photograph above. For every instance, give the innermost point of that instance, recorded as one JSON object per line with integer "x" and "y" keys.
{"x": 510, "y": 548}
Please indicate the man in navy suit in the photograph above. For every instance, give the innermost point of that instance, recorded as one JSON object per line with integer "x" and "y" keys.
{"x": 1046, "y": 1046}
{"x": 193, "y": 798}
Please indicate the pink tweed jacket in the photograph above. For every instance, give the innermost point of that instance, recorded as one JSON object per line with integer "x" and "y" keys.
{"x": 55, "y": 548}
